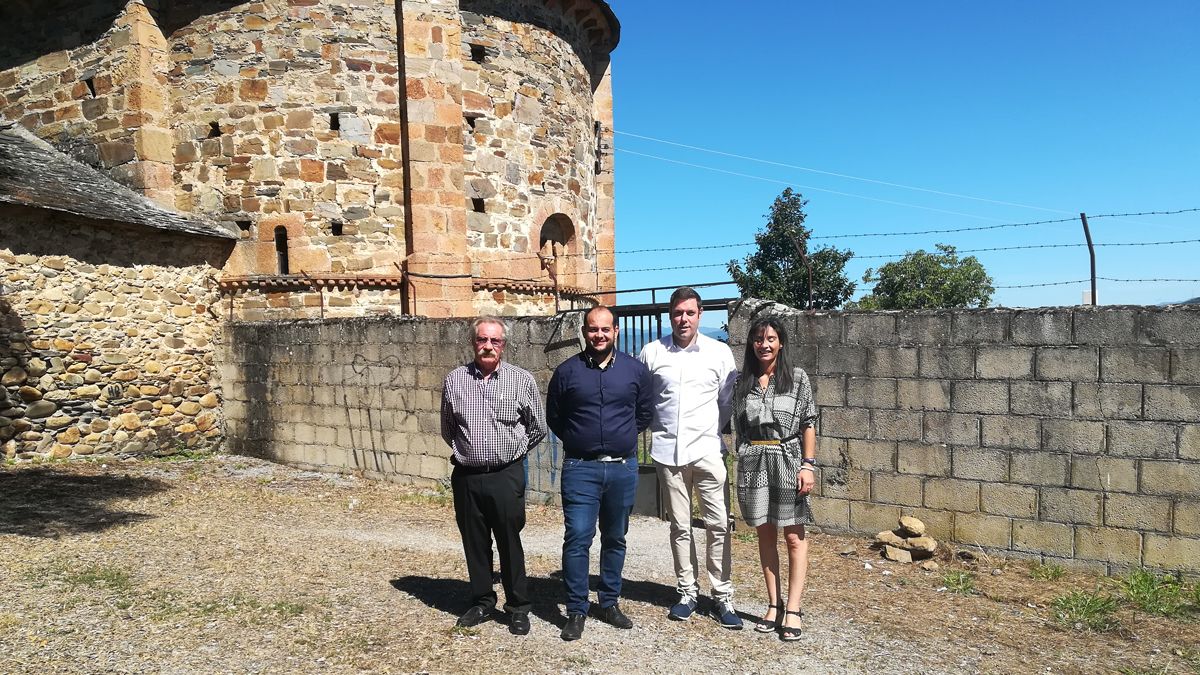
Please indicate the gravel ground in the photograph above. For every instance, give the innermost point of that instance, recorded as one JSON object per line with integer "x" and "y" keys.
{"x": 235, "y": 565}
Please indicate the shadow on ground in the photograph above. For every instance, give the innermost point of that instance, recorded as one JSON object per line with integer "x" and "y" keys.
{"x": 546, "y": 594}
{"x": 42, "y": 502}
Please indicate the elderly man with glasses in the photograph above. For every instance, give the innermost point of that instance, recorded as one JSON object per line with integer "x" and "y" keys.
{"x": 492, "y": 416}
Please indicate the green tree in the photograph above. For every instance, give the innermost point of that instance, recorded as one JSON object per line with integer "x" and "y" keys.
{"x": 924, "y": 280}
{"x": 776, "y": 272}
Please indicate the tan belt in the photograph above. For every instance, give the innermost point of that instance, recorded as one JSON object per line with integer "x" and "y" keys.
{"x": 766, "y": 443}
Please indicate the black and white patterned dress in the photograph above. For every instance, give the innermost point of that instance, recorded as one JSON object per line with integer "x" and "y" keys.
{"x": 766, "y": 474}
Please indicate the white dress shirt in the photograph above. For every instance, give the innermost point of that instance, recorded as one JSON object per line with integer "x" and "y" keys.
{"x": 693, "y": 397}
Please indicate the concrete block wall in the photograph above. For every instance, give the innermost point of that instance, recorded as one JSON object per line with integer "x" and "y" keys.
{"x": 1070, "y": 434}
{"x": 364, "y": 394}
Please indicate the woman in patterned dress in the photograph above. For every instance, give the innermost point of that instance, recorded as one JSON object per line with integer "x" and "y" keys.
{"x": 774, "y": 416}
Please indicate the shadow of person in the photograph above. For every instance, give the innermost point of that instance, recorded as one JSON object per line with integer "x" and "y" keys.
{"x": 44, "y": 502}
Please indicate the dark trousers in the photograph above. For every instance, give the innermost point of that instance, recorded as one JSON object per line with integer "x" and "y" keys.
{"x": 488, "y": 504}
{"x": 595, "y": 492}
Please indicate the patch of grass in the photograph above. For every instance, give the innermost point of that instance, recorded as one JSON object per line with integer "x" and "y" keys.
{"x": 288, "y": 609}
{"x": 1190, "y": 657}
{"x": 578, "y": 661}
{"x": 438, "y": 496}
{"x": 99, "y": 576}
{"x": 747, "y": 536}
{"x": 8, "y": 621}
{"x": 1144, "y": 671}
{"x": 1080, "y": 610}
{"x": 1047, "y": 572}
{"x": 961, "y": 583}
{"x": 1161, "y": 595}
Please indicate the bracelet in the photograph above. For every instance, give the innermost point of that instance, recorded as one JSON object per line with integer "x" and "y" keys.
{"x": 807, "y": 467}
{"x": 809, "y": 460}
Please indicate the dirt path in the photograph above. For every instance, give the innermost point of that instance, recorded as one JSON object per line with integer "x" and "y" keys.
{"x": 235, "y": 565}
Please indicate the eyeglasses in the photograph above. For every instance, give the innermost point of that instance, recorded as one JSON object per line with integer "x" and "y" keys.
{"x": 499, "y": 342}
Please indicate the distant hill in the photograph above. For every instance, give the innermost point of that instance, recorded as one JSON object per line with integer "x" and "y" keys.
{"x": 1193, "y": 301}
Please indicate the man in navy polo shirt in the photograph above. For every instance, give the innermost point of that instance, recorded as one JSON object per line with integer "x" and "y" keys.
{"x": 597, "y": 404}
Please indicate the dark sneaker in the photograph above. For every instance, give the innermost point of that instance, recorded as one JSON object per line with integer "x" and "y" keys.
{"x": 574, "y": 628}
{"x": 612, "y": 616}
{"x": 726, "y": 615}
{"x": 682, "y": 610}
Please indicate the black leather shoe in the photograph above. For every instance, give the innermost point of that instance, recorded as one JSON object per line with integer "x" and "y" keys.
{"x": 473, "y": 617}
{"x": 612, "y": 616}
{"x": 518, "y": 623}
{"x": 574, "y": 628}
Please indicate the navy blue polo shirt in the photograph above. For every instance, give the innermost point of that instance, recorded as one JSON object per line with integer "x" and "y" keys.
{"x": 599, "y": 412}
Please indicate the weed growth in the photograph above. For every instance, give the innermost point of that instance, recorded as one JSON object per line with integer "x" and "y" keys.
{"x": 1080, "y": 610}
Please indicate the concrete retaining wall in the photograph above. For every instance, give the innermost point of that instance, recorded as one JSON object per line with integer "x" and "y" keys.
{"x": 1061, "y": 433}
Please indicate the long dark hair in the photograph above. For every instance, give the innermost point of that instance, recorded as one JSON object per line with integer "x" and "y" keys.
{"x": 783, "y": 367}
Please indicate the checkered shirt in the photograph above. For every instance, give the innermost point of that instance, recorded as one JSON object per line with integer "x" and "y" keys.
{"x": 492, "y": 421}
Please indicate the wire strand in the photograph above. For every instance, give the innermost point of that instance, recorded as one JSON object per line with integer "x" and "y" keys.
{"x": 835, "y": 174}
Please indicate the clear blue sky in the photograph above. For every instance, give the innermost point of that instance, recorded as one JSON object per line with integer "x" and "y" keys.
{"x": 1062, "y": 106}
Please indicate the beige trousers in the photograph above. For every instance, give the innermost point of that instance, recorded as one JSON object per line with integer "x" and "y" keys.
{"x": 707, "y": 476}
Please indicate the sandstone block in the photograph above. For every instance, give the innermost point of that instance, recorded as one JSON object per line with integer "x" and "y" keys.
{"x": 923, "y": 544}
{"x": 1172, "y": 402}
{"x": 129, "y": 421}
{"x": 1065, "y": 505}
{"x": 952, "y": 428}
{"x": 1106, "y": 326}
{"x": 1005, "y": 499}
{"x": 1172, "y": 553}
{"x": 1040, "y": 468}
{"x": 905, "y": 490}
{"x": 871, "y": 393}
{"x": 983, "y": 530}
{"x": 1171, "y": 478}
{"x": 1110, "y": 474}
{"x": 955, "y": 363}
{"x": 845, "y": 422}
{"x": 889, "y": 538}
{"x": 923, "y": 394}
{"x": 923, "y": 459}
{"x": 973, "y": 396}
{"x": 1137, "y": 512}
{"x": 831, "y": 512}
{"x": 29, "y": 394}
{"x": 1141, "y": 439}
{"x": 39, "y": 409}
{"x": 911, "y": 526}
{"x": 892, "y": 362}
{"x": 1040, "y": 537}
{"x": 847, "y": 359}
{"x": 14, "y": 377}
{"x": 897, "y": 554}
{"x": 871, "y": 329}
{"x": 1075, "y": 436}
{"x": 988, "y": 464}
{"x": 1041, "y": 327}
{"x": 872, "y": 455}
{"x": 1109, "y": 544}
{"x": 937, "y": 523}
{"x": 1009, "y": 431}
{"x": 1187, "y": 517}
{"x": 1004, "y": 363}
{"x": 952, "y": 494}
{"x": 867, "y": 517}
{"x": 1142, "y": 365}
{"x": 897, "y": 425}
{"x": 1107, "y": 401}
{"x": 1078, "y": 364}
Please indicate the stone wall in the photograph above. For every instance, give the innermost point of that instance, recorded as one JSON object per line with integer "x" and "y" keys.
{"x": 107, "y": 337}
{"x": 364, "y": 395}
{"x": 1070, "y": 434}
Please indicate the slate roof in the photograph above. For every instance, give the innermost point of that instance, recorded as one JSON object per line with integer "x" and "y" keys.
{"x": 33, "y": 173}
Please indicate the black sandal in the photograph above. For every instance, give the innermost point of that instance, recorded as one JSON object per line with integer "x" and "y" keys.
{"x": 764, "y": 626}
{"x": 790, "y": 633}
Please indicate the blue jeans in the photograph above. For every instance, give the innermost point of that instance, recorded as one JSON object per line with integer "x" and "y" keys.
{"x": 595, "y": 491}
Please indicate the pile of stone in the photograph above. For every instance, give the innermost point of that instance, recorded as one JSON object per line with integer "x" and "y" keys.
{"x": 908, "y": 543}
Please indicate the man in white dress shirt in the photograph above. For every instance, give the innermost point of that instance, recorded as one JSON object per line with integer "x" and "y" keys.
{"x": 692, "y": 380}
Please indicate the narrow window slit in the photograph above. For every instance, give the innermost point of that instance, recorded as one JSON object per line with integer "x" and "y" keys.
{"x": 336, "y": 228}
{"x": 335, "y": 122}
{"x": 477, "y": 205}
{"x": 91, "y": 85}
{"x": 243, "y": 225}
{"x": 214, "y": 130}
{"x": 478, "y": 53}
{"x": 281, "y": 249}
